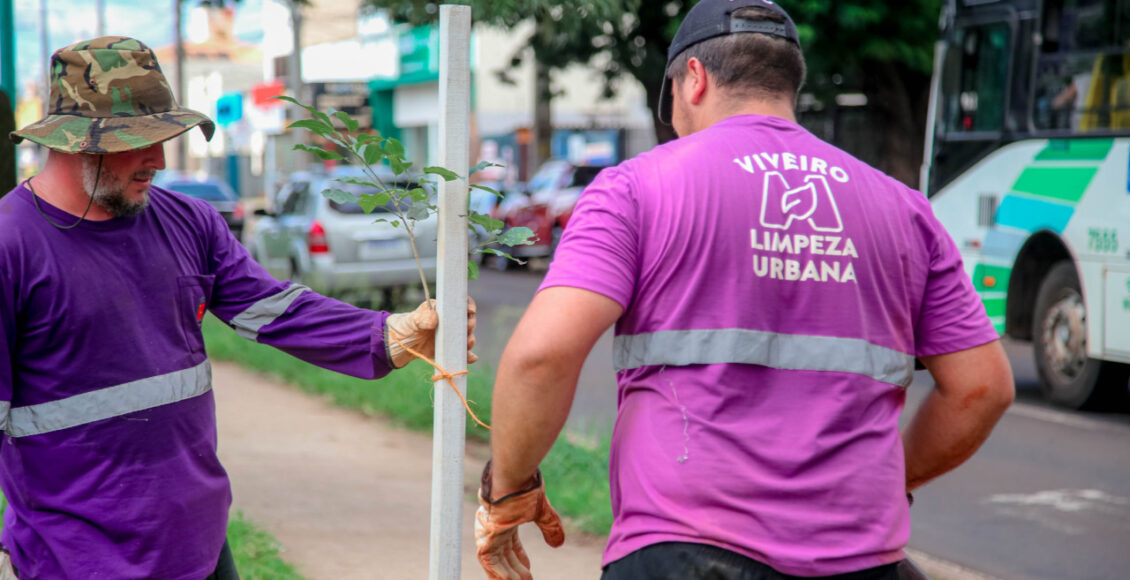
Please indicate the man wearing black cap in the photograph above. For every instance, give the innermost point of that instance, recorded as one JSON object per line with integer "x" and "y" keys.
{"x": 770, "y": 295}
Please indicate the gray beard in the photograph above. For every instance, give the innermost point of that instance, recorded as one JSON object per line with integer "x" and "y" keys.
{"x": 110, "y": 194}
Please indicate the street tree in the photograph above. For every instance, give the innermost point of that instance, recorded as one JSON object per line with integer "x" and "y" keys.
{"x": 614, "y": 37}
{"x": 882, "y": 49}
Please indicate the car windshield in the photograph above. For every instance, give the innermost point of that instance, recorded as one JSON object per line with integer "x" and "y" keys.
{"x": 548, "y": 176}
{"x": 204, "y": 191}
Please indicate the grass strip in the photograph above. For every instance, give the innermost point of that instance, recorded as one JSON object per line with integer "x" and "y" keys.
{"x": 256, "y": 552}
{"x": 576, "y": 475}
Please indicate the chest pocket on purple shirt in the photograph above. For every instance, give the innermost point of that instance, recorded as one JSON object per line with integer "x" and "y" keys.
{"x": 194, "y": 296}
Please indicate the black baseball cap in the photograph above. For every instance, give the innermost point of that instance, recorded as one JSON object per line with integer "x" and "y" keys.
{"x": 711, "y": 18}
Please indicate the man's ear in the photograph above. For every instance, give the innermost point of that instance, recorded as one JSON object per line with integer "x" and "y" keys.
{"x": 696, "y": 81}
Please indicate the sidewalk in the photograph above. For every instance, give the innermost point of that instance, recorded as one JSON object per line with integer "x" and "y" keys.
{"x": 349, "y": 497}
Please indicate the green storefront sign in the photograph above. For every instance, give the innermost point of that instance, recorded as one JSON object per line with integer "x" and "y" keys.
{"x": 419, "y": 55}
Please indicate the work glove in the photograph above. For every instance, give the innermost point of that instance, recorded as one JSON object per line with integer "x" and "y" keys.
{"x": 496, "y": 528}
{"x": 416, "y": 330}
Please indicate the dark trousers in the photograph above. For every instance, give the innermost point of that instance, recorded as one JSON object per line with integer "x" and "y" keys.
{"x": 225, "y": 567}
{"x": 684, "y": 561}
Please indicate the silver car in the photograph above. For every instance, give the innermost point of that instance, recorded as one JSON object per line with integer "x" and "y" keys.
{"x": 336, "y": 248}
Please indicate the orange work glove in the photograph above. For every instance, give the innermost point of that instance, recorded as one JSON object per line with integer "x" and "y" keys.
{"x": 496, "y": 528}
{"x": 417, "y": 330}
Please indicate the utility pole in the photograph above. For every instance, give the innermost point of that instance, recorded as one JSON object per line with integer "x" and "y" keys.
{"x": 178, "y": 40}
{"x": 100, "y": 22}
{"x": 294, "y": 62}
{"x": 294, "y": 80}
{"x": 45, "y": 54}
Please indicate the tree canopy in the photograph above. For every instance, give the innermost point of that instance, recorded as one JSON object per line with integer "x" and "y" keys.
{"x": 883, "y": 49}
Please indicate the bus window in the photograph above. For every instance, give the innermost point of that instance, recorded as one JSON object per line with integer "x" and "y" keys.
{"x": 974, "y": 79}
{"x": 1083, "y": 68}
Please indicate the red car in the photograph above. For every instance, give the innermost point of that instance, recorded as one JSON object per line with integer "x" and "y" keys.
{"x": 548, "y": 205}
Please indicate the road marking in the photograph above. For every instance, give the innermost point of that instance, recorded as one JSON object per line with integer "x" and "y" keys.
{"x": 1061, "y": 418}
{"x": 942, "y": 570}
{"x": 1054, "y": 509}
{"x": 1065, "y": 500}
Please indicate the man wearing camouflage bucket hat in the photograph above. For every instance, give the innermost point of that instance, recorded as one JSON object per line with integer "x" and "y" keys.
{"x": 108, "y": 444}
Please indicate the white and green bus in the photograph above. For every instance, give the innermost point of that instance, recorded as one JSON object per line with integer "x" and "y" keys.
{"x": 1027, "y": 160}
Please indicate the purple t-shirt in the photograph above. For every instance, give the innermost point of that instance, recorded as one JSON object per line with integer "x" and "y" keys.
{"x": 776, "y": 292}
{"x": 108, "y": 452}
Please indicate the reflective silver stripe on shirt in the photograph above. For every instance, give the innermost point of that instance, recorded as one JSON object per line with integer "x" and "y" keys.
{"x": 265, "y": 311}
{"x": 779, "y": 351}
{"x": 110, "y": 402}
{"x": 5, "y": 406}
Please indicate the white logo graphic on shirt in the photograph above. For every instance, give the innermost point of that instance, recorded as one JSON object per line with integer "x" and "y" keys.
{"x": 812, "y": 202}
{"x": 800, "y": 234}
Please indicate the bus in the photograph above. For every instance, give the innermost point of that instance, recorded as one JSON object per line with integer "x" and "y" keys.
{"x": 1026, "y": 164}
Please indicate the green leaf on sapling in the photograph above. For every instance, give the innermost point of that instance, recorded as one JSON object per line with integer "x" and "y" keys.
{"x": 339, "y": 196}
{"x": 350, "y": 123}
{"x": 373, "y": 154}
{"x": 500, "y": 253}
{"x": 358, "y": 181}
{"x": 313, "y": 125}
{"x": 487, "y": 189}
{"x": 472, "y": 270}
{"x": 418, "y": 212}
{"x": 371, "y": 201}
{"x": 481, "y": 166}
{"x": 394, "y": 147}
{"x": 398, "y": 164}
{"x": 488, "y": 223}
{"x": 517, "y": 237}
{"x": 446, "y": 174}
{"x": 318, "y": 151}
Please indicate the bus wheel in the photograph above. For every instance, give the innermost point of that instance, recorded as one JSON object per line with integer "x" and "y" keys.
{"x": 1068, "y": 377}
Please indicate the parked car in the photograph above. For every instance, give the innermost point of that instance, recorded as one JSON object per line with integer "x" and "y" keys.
{"x": 547, "y": 204}
{"x": 212, "y": 190}
{"x": 336, "y": 248}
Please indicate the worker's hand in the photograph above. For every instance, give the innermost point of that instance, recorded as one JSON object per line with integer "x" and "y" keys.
{"x": 416, "y": 330}
{"x": 496, "y": 528}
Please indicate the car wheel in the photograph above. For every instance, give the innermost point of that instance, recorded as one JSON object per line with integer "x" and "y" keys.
{"x": 1068, "y": 377}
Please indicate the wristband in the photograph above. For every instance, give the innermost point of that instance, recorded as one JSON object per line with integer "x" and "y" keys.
{"x": 486, "y": 483}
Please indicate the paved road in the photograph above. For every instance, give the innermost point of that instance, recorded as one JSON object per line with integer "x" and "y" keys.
{"x": 1047, "y": 497}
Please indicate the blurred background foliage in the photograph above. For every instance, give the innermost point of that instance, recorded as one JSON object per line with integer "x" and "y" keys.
{"x": 881, "y": 49}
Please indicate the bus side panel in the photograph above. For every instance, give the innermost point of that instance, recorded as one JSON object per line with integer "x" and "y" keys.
{"x": 1076, "y": 189}
{"x": 988, "y": 252}
{"x": 1099, "y": 236}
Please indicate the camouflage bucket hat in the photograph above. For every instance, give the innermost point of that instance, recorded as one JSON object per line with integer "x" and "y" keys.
{"x": 108, "y": 96}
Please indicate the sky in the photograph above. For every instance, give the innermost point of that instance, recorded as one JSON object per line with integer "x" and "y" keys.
{"x": 150, "y": 21}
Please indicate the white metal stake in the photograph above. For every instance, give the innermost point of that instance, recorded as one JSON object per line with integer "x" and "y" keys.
{"x": 451, "y": 292}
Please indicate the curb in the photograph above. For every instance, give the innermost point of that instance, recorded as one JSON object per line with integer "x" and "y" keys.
{"x": 938, "y": 569}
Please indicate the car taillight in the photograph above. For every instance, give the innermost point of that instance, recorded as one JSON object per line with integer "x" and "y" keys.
{"x": 237, "y": 213}
{"x": 316, "y": 239}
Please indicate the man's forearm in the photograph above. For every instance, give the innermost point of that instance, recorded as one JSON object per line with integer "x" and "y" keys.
{"x": 974, "y": 388}
{"x": 532, "y": 398}
{"x": 537, "y": 377}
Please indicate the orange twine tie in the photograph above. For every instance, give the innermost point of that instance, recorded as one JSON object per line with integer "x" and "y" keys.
{"x": 443, "y": 374}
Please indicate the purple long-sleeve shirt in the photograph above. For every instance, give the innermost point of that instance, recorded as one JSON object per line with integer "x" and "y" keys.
{"x": 108, "y": 451}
